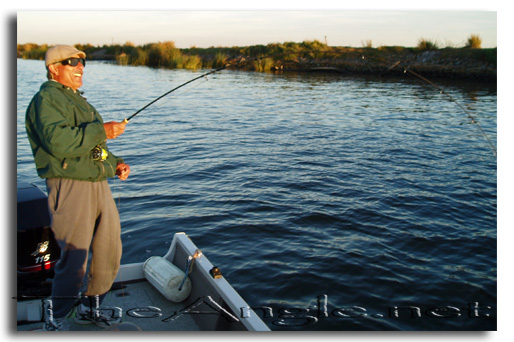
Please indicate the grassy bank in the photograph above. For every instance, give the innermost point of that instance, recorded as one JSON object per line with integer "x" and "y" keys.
{"x": 307, "y": 56}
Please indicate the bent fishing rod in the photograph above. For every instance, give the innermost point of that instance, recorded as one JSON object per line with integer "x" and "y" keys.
{"x": 240, "y": 61}
{"x": 176, "y": 88}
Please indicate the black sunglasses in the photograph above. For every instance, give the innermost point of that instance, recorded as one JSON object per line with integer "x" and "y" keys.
{"x": 74, "y": 61}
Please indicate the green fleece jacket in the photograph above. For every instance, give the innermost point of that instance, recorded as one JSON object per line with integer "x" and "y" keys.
{"x": 63, "y": 129}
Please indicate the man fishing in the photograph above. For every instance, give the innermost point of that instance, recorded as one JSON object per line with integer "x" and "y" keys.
{"x": 68, "y": 140}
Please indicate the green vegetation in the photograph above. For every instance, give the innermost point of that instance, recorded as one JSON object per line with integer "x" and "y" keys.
{"x": 292, "y": 56}
{"x": 31, "y": 51}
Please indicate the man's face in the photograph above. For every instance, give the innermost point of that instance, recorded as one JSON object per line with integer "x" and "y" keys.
{"x": 70, "y": 76}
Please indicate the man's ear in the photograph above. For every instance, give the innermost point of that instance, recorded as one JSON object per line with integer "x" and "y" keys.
{"x": 53, "y": 69}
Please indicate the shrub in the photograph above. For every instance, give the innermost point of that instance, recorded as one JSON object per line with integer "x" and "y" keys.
{"x": 138, "y": 56}
{"x": 368, "y": 44}
{"x": 263, "y": 64}
{"x": 220, "y": 59}
{"x": 31, "y": 51}
{"x": 425, "y": 44}
{"x": 122, "y": 59}
{"x": 191, "y": 63}
{"x": 474, "y": 42}
{"x": 164, "y": 55}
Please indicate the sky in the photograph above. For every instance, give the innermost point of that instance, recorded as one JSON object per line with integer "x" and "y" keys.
{"x": 242, "y": 27}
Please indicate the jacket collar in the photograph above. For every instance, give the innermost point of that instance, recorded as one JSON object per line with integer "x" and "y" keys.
{"x": 54, "y": 83}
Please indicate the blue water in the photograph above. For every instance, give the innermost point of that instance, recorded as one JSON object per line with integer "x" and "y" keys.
{"x": 331, "y": 202}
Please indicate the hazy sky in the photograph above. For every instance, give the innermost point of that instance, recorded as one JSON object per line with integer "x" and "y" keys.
{"x": 205, "y": 28}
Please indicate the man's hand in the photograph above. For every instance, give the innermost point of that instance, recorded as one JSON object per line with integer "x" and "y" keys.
{"x": 122, "y": 171}
{"x": 114, "y": 129}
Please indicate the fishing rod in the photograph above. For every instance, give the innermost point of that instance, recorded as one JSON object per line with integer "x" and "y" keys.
{"x": 176, "y": 88}
{"x": 442, "y": 91}
{"x": 240, "y": 61}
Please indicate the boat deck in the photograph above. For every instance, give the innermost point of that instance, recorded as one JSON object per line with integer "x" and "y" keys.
{"x": 141, "y": 305}
{"x": 212, "y": 305}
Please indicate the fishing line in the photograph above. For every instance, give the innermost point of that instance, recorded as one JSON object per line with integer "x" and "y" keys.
{"x": 442, "y": 91}
{"x": 471, "y": 117}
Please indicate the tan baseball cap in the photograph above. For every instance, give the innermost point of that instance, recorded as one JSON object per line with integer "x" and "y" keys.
{"x": 59, "y": 53}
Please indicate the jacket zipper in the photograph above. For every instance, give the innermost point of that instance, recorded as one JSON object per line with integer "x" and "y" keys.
{"x": 102, "y": 173}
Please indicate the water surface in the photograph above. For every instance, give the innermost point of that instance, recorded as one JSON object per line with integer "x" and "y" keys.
{"x": 335, "y": 203}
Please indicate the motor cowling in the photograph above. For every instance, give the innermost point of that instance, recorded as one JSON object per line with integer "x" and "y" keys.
{"x": 37, "y": 250}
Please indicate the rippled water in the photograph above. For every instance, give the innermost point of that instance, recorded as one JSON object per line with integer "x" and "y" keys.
{"x": 334, "y": 203}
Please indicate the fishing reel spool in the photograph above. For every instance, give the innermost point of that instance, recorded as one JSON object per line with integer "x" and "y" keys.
{"x": 99, "y": 153}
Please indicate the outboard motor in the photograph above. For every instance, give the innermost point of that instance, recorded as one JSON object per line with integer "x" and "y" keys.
{"x": 37, "y": 249}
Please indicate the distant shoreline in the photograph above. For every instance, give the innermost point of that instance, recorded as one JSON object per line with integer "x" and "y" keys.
{"x": 450, "y": 63}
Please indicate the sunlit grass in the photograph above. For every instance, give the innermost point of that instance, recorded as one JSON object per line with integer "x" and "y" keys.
{"x": 474, "y": 42}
